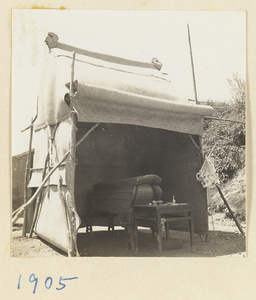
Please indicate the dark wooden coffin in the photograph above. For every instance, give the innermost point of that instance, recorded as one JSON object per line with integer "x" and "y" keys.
{"x": 120, "y": 196}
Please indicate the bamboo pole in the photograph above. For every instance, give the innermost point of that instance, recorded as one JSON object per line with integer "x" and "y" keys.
{"x": 27, "y": 177}
{"x": 38, "y": 200}
{"x": 230, "y": 210}
{"x": 19, "y": 211}
{"x": 71, "y": 164}
{"x": 192, "y": 65}
{"x": 72, "y": 73}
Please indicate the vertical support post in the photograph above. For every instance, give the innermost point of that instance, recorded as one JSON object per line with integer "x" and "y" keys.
{"x": 26, "y": 181}
{"x": 192, "y": 65}
{"x": 73, "y": 118}
{"x": 70, "y": 169}
{"x": 201, "y": 163}
{"x": 210, "y": 204}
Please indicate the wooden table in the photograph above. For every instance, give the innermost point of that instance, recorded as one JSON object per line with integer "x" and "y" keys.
{"x": 154, "y": 215}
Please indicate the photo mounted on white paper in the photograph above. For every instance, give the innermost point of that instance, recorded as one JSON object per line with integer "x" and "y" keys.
{"x": 128, "y": 133}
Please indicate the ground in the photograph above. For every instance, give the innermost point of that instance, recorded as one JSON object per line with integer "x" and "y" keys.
{"x": 224, "y": 240}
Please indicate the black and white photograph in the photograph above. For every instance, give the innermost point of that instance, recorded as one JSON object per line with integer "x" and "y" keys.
{"x": 128, "y": 133}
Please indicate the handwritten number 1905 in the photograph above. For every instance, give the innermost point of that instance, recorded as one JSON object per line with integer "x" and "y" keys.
{"x": 48, "y": 282}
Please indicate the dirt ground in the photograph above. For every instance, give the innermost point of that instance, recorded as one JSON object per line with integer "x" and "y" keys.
{"x": 224, "y": 240}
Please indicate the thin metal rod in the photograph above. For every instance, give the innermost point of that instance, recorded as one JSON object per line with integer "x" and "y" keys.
{"x": 192, "y": 65}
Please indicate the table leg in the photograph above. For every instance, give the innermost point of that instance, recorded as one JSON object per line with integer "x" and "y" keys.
{"x": 167, "y": 230}
{"x": 136, "y": 235}
{"x": 132, "y": 237}
{"x": 159, "y": 235}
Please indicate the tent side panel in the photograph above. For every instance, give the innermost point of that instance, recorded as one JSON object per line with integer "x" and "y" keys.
{"x": 52, "y": 223}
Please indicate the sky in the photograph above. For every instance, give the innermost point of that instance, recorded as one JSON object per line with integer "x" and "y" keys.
{"x": 218, "y": 45}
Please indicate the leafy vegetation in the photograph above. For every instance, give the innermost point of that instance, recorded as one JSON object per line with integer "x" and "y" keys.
{"x": 225, "y": 140}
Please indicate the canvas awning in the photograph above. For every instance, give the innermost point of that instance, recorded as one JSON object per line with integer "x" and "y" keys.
{"x": 115, "y": 91}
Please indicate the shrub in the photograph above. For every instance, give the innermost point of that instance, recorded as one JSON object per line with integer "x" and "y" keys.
{"x": 224, "y": 140}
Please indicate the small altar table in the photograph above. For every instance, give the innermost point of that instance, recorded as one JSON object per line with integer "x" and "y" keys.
{"x": 161, "y": 215}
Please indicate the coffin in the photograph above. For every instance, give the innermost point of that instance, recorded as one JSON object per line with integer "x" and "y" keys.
{"x": 119, "y": 197}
